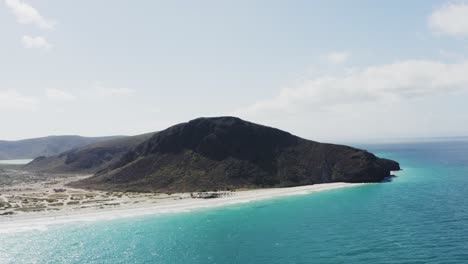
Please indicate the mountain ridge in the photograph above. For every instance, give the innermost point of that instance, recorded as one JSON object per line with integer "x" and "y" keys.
{"x": 86, "y": 159}
{"x": 230, "y": 153}
{"x": 45, "y": 146}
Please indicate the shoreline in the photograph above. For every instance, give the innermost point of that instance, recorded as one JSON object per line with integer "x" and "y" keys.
{"x": 40, "y": 220}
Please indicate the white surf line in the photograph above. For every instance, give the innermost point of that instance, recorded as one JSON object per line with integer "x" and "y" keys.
{"x": 39, "y": 221}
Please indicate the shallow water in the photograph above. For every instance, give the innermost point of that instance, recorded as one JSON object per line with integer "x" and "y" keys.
{"x": 419, "y": 217}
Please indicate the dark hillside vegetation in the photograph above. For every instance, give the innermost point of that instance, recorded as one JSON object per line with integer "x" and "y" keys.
{"x": 229, "y": 153}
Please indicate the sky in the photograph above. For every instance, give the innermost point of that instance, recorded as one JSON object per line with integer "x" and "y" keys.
{"x": 323, "y": 70}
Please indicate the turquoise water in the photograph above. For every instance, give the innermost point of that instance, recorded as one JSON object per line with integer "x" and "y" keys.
{"x": 419, "y": 217}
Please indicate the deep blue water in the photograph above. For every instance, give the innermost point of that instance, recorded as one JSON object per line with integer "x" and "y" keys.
{"x": 419, "y": 217}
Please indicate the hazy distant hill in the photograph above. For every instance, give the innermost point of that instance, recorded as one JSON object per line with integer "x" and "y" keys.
{"x": 227, "y": 152}
{"x": 45, "y": 146}
{"x": 87, "y": 159}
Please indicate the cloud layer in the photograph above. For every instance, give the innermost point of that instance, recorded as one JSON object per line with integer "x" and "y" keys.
{"x": 397, "y": 81}
{"x": 26, "y": 14}
{"x": 450, "y": 19}
{"x": 35, "y": 43}
{"x": 59, "y": 95}
{"x": 13, "y": 100}
{"x": 105, "y": 91}
{"x": 337, "y": 57}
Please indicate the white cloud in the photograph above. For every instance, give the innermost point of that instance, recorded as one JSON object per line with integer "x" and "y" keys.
{"x": 12, "y": 100}
{"x": 450, "y": 19}
{"x": 451, "y": 55}
{"x": 337, "y": 57}
{"x": 36, "y": 43}
{"x": 390, "y": 82}
{"x": 103, "y": 91}
{"x": 26, "y": 14}
{"x": 59, "y": 95}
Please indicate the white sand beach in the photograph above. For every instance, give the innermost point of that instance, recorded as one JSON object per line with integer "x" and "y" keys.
{"x": 39, "y": 204}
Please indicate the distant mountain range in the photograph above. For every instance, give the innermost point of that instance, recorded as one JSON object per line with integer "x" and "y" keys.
{"x": 89, "y": 158}
{"x": 45, "y": 146}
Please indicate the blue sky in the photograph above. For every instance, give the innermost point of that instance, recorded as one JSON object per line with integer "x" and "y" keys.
{"x": 325, "y": 70}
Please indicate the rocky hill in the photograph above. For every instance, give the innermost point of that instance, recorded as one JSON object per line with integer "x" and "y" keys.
{"x": 230, "y": 153}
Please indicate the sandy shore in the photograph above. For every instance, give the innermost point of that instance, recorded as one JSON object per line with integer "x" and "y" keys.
{"x": 40, "y": 203}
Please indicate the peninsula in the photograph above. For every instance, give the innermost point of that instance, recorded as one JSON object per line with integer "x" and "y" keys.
{"x": 178, "y": 169}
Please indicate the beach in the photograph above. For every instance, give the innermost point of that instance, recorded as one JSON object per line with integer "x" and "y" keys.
{"x": 46, "y": 200}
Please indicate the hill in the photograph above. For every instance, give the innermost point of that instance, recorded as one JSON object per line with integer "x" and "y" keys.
{"x": 88, "y": 159}
{"x": 230, "y": 153}
{"x": 44, "y": 146}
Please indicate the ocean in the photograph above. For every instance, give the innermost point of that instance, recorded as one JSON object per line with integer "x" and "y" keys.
{"x": 421, "y": 216}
